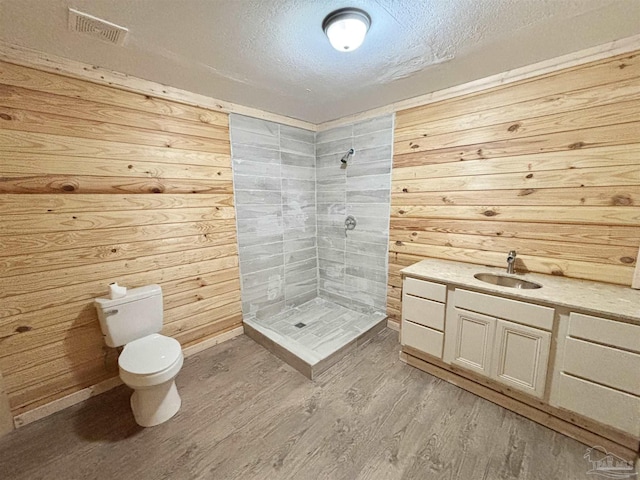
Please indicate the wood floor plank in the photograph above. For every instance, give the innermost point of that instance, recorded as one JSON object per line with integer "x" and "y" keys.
{"x": 247, "y": 415}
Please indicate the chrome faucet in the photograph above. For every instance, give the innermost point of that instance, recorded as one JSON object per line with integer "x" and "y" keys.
{"x": 511, "y": 260}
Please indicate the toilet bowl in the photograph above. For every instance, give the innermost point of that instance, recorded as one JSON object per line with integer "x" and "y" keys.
{"x": 149, "y": 362}
{"x": 149, "y": 366}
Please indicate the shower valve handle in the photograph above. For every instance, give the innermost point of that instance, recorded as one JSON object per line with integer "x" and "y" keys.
{"x": 349, "y": 224}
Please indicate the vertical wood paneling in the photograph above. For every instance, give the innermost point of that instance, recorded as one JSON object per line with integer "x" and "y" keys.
{"x": 549, "y": 167}
{"x": 100, "y": 185}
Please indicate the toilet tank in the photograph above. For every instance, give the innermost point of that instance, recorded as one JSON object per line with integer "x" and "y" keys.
{"x": 133, "y": 316}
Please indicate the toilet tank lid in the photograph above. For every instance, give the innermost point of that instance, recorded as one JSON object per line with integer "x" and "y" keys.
{"x": 148, "y": 355}
{"x": 132, "y": 295}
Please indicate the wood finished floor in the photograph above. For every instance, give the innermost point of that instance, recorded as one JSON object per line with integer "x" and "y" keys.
{"x": 248, "y": 415}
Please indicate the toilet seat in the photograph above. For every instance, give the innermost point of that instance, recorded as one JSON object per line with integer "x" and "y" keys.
{"x": 150, "y": 361}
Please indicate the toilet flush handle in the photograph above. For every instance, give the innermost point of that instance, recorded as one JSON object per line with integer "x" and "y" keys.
{"x": 108, "y": 313}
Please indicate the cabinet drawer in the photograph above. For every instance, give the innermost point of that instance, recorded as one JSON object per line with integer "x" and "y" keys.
{"x": 609, "y": 366}
{"x": 521, "y": 312}
{"x": 603, "y": 404}
{"x": 424, "y": 289}
{"x": 601, "y": 330}
{"x": 422, "y": 338}
{"x": 425, "y": 312}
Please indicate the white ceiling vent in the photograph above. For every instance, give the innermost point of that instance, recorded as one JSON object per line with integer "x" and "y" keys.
{"x": 96, "y": 27}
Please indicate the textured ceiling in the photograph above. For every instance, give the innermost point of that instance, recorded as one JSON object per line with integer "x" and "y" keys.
{"x": 273, "y": 55}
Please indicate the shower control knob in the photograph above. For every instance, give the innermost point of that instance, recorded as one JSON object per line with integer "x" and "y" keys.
{"x": 350, "y": 223}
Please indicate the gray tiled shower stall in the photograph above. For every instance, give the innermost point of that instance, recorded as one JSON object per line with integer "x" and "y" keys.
{"x": 292, "y": 196}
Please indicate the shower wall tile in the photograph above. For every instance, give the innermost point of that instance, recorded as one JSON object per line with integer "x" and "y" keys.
{"x": 367, "y": 248}
{"x": 330, "y": 160}
{"x": 254, "y": 252}
{"x": 332, "y": 254}
{"x": 297, "y": 185}
{"x": 251, "y": 168}
{"x": 325, "y": 241}
{"x": 298, "y": 160}
{"x": 255, "y": 182}
{"x": 358, "y": 236}
{"x": 298, "y": 198}
{"x": 301, "y": 299}
{"x": 369, "y": 182}
{"x": 300, "y": 256}
{"x": 298, "y": 134}
{"x": 300, "y": 244}
{"x": 330, "y": 196}
{"x": 292, "y": 195}
{"x": 298, "y": 233}
{"x": 367, "y": 154}
{"x": 377, "y": 167}
{"x": 262, "y": 289}
{"x": 254, "y": 139}
{"x": 375, "y": 226}
{"x": 375, "y": 274}
{"x": 331, "y": 209}
{"x": 294, "y": 146}
{"x": 299, "y": 221}
{"x": 353, "y": 269}
{"x": 258, "y": 197}
{"x": 255, "y": 154}
{"x": 338, "y": 133}
{"x": 303, "y": 275}
{"x": 252, "y": 210}
{"x": 369, "y": 196}
{"x": 265, "y": 226}
{"x": 376, "y": 210}
{"x": 340, "y": 146}
{"x": 261, "y": 262}
{"x": 241, "y": 125}
{"x": 372, "y": 140}
{"x": 247, "y": 239}
{"x": 301, "y": 173}
{"x": 307, "y": 209}
{"x": 369, "y": 261}
{"x": 377, "y": 124}
{"x": 299, "y": 267}
{"x": 274, "y": 182}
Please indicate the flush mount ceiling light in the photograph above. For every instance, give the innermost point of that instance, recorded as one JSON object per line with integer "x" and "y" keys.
{"x": 346, "y": 28}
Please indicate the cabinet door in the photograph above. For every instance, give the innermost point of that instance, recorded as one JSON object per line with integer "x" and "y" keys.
{"x": 521, "y": 355}
{"x": 473, "y": 341}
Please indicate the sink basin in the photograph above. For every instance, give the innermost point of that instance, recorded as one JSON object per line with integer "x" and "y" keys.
{"x": 505, "y": 281}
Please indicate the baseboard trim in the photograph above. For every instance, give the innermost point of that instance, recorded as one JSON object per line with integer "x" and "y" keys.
{"x": 65, "y": 402}
{"x": 213, "y": 341}
{"x": 393, "y": 325}
{"x": 80, "y": 396}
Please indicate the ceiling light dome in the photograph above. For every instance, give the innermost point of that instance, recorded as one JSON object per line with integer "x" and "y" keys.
{"x": 346, "y": 28}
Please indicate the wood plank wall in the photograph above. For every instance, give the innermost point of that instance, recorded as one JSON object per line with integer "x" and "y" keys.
{"x": 100, "y": 185}
{"x": 549, "y": 167}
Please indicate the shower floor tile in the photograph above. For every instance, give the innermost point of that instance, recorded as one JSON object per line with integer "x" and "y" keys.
{"x": 328, "y": 333}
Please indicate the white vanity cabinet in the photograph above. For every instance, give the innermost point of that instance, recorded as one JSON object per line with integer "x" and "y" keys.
{"x": 598, "y": 371}
{"x": 505, "y": 340}
{"x": 423, "y": 313}
{"x": 549, "y": 354}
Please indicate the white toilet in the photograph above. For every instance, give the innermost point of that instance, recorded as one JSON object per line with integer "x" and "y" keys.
{"x": 149, "y": 361}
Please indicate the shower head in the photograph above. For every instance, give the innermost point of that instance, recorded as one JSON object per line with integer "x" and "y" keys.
{"x": 347, "y": 156}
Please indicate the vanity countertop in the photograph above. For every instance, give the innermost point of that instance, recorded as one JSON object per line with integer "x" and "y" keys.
{"x": 613, "y": 301}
